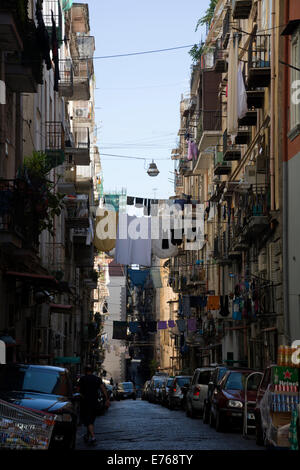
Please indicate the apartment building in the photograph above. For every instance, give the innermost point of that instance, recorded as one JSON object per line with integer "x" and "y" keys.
{"x": 234, "y": 284}
{"x": 48, "y": 122}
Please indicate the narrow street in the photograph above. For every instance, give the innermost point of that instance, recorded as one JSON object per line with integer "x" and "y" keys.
{"x": 140, "y": 425}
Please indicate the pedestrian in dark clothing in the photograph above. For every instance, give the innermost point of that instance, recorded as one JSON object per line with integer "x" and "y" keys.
{"x": 89, "y": 386}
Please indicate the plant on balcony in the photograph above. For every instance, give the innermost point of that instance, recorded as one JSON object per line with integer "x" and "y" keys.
{"x": 209, "y": 14}
{"x": 45, "y": 202}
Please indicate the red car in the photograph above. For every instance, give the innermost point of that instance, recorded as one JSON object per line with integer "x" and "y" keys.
{"x": 227, "y": 408}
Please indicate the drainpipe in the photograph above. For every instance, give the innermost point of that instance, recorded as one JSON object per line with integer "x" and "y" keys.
{"x": 285, "y": 201}
{"x": 272, "y": 175}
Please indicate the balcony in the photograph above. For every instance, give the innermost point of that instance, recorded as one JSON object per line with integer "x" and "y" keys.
{"x": 81, "y": 236}
{"x": 53, "y": 6}
{"x": 84, "y": 256}
{"x": 80, "y": 18}
{"x": 55, "y": 144}
{"x": 86, "y": 49}
{"x": 77, "y": 211}
{"x": 250, "y": 119}
{"x": 243, "y": 136}
{"x": 65, "y": 85}
{"x": 230, "y": 152}
{"x": 241, "y": 9}
{"x": 226, "y": 29}
{"x": 259, "y": 65}
{"x": 221, "y": 167}
{"x": 220, "y": 61}
{"x": 67, "y": 181}
{"x": 179, "y": 186}
{"x": 81, "y": 81}
{"x": 255, "y": 99}
{"x": 209, "y": 132}
{"x": 253, "y": 218}
{"x": 78, "y": 150}
{"x": 18, "y": 223}
{"x": 10, "y": 40}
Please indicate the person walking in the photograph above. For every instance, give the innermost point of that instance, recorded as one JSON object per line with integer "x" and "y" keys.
{"x": 89, "y": 386}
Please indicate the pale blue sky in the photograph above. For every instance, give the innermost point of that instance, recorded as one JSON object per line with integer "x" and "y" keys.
{"x": 139, "y": 96}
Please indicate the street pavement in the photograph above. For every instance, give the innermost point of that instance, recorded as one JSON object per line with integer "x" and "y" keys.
{"x": 139, "y": 425}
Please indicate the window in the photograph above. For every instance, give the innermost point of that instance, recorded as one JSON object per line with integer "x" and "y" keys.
{"x": 295, "y": 80}
{"x": 204, "y": 377}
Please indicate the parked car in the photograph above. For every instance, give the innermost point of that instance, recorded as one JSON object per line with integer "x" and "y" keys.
{"x": 43, "y": 388}
{"x": 109, "y": 389}
{"x": 154, "y": 387}
{"x": 145, "y": 390}
{"x": 197, "y": 391}
{"x": 227, "y": 407}
{"x": 166, "y": 384}
{"x": 175, "y": 394}
{"x": 126, "y": 390}
{"x": 216, "y": 375}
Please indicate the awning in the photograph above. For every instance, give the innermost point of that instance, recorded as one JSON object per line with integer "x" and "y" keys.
{"x": 67, "y": 360}
{"x": 237, "y": 328}
{"x": 60, "y": 308}
{"x": 42, "y": 278}
{"x": 290, "y": 27}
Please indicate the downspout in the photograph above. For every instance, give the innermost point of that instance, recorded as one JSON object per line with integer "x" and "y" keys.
{"x": 285, "y": 201}
{"x": 272, "y": 129}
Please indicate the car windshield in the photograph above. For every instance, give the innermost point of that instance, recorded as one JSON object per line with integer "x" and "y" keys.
{"x": 222, "y": 371}
{"x": 29, "y": 379}
{"x": 169, "y": 383}
{"x": 183, "y": 381}
{"x": 157, "y": 382}
{"x": 237, "y": 380}
{"x": 127, "y": 386}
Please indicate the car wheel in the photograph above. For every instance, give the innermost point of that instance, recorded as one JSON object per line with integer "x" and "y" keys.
{"x": 220, "y": 422}
{"x": 211, "y": 419}
{"x": 205, "y": 415}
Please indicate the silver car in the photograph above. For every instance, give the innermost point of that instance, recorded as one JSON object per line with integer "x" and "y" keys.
{"x": 197, "y": 391}
{"x": 175, "y": 393}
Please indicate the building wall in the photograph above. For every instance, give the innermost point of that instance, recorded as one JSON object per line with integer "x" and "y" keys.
{"x": 114, "y": 362}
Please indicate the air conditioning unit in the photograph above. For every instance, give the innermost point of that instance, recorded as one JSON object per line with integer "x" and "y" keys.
{"x": 262, "y": 261}
{"x": 81, "y": 113}
{"x": 253, "y": 177}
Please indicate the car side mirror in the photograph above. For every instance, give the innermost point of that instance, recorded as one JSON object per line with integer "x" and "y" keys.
{"x": 76, "y": 396}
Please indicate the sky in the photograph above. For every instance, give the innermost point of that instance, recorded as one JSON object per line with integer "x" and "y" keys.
{"x": 138, "y": 98}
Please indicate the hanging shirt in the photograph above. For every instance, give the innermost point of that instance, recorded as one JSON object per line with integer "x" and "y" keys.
{"x": 138, "y": 277}
{"x": 181, "y": 324}
{"x": 134, "y": 326}
{"x": 213, "y": 302}
{"x": 171, "y": 324}
{"x": 192, "y": 324}
{"x": 133, "y": 244}
{"x": 162, "y": 325}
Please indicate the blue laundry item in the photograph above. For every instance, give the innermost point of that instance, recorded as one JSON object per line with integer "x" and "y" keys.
{"x": 181, "y": 324}
{"x": 171, "y": 324}
{"x": 138, "y": 277}
{"x": 162, "y": 325}
{"x": 134, "y": 326}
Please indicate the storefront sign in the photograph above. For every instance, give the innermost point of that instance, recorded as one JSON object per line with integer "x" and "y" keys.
{"x": 285, "y": 374}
